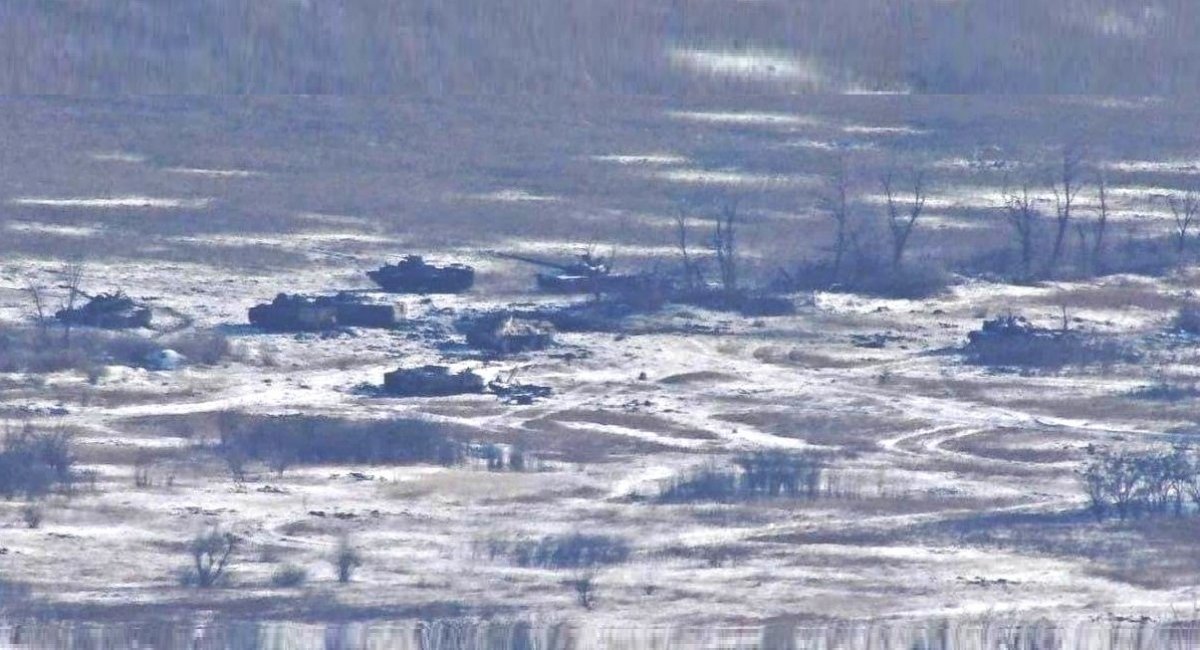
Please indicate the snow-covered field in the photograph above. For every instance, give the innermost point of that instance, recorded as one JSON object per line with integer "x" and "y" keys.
{"x": 955, "y": 493}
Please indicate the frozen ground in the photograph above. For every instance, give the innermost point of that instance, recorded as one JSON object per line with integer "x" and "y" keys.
{"x": 957, "y": 492}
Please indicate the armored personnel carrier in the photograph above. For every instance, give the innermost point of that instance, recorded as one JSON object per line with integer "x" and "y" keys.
{"x": 108, "y": 310}
{"x": 412, "y": 274}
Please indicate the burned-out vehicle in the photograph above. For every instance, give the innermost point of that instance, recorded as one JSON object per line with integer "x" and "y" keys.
{"x": 431, "y": 381}
{"x": 298, "y": 313}
{"x": 108, "y": 310}
{"x": 507, "y": 333}
{"x": 412, "y": 274}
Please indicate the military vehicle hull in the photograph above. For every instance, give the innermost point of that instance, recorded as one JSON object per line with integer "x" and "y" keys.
{"x": 431, "y": 381}
{"x": 288, "y": 313}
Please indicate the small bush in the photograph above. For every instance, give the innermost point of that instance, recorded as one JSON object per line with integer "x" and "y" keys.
{"x": 289, "y": 576}
{"x": 206, "y": 348}
{"x": 584, "y": 586}
{"x": 32, "y": 516}
{"x": 346, "y": 560}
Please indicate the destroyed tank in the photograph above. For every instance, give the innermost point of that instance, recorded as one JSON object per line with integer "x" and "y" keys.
{"x": 297, "y": 313}
{"x": 108, "y": 310}
{"x": 412, "y": 274}
{"x": 506, "y": 333}
{"x": 431, "y": 381}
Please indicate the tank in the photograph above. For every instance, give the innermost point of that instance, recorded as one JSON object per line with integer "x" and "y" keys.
{"x": 108, "y": 310}
{"x": 412, "y": 274}
{"x": 297, "y": 313}
{"x": 431, "y": 381}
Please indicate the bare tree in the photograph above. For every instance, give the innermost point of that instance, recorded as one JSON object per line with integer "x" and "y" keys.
{"x": 1184, "y": 210}
{"x": 724, "y": 245}
{"x": 73, "y": 278}
{"x": 1101, "y": 227}
{"x": 837, "y": 205}
{"x": 1022, "y": 217}
{"x": 901, "y": 225}
{"x": 1065, "y": 189}
{"x": 41, "y": 316}
{"x": 210, "y": 553}
{"x": 692, "y": 276}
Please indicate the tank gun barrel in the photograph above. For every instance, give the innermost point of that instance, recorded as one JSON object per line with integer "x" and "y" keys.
{"x": 536, "y": 261}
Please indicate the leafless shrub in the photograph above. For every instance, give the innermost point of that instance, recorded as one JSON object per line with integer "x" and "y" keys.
{"x": 32, "y": 515}
{"x": 584, "y": 586}
{"x": 346, "y": 560}
{"x": 32, "y": 463}
{"x": 141, "y": 471}
{"x": 211, "y": 552}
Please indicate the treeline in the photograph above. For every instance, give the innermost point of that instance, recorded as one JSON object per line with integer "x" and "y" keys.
{"x": 281, "y": 442}
{"x": 1132, "y": 485}
{"x": 759, "y": 475}
{"x": 609, "y": 46}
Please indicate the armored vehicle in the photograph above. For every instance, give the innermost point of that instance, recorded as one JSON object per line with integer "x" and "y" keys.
{"x": 297, "y": 313}
{"x": 505, "y": 333}
{"x": 431, "y": 381}
{"x": 294, "y": 313}
{"x": 412, "y": 274}
{"x": 108, "y": 310}
{"x": 587, "y": 274}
